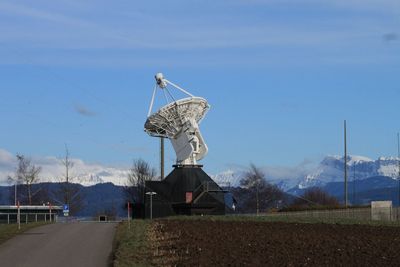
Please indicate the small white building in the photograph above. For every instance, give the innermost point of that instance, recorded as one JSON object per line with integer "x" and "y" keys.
{"x": 381, "y": 210}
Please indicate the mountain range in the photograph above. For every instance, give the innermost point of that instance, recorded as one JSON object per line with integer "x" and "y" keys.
{"x": 96, "y": 199}
{"x": 367, "y": 180}
{"x": 329, "y": 170}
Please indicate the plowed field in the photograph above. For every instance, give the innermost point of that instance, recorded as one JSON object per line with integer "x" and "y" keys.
{"x": 236, "y": 243}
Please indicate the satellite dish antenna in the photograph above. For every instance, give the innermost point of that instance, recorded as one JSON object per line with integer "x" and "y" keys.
{"x": 179, "y": 121}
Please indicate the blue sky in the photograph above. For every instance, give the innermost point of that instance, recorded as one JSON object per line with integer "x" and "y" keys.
{"x": 281, "y": 76}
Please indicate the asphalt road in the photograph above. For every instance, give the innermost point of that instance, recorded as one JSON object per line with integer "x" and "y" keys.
{"x": 59, "y": 245}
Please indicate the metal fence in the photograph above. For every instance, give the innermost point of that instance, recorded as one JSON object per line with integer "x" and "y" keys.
{"x": 8, "y": 218}
{"x": 360, "y": 215}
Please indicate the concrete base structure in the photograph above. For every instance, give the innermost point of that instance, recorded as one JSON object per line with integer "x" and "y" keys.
{"x": 187, "y": 190}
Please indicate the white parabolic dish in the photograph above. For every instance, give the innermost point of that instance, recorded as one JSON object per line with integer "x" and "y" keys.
{"x": 169, "y": 120}
{"x": 179, "y": 122}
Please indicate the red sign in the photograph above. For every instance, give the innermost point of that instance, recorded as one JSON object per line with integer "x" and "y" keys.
{"x": 189, "y": 197}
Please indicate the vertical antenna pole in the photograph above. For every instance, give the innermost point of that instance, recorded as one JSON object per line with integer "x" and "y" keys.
{"x": 354, "y": 186}
{"x": 398, "y": 161}
{"x": 162, "y": 157}
{"x": 15, "y": 194}
{"x": 345, "y": 165}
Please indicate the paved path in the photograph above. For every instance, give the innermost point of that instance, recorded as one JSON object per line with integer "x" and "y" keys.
{"x": 59, "y": 245}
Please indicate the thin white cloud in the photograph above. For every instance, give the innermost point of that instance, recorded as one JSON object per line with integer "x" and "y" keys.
{"x": 145, "y": 39}
{"x": 180, "y": 33}
{"x": 390, "y": 6}
{"x": 27, "y": 11}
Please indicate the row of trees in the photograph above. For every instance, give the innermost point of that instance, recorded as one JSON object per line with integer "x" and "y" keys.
{"x": 28, "y": 191}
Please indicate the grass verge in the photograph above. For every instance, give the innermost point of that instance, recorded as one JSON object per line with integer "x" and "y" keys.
{"x": 8, "y": 231}
{"x": 130, "y": 244}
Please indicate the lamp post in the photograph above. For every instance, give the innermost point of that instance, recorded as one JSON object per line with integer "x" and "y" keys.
{"x": 151, "y": 194}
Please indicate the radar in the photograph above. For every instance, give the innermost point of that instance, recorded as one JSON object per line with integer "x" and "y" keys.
{"x": 179, "y": 121}
{"x": 187, "y": 190}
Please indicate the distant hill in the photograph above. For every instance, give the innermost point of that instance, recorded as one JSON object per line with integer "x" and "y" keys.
{"x": 329, "y": 170}
{"x": 362, "y": 191}
{"x": 96, "y": 199}
{"x": 105, "y": 197}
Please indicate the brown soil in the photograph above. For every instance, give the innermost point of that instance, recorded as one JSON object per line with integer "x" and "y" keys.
{"x": 236, "y": 243}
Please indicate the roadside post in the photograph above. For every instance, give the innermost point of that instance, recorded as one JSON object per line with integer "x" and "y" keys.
{"x": 19, "y": 216}
{"x": 50, "y": 211}
{"x": 129, "y": 215}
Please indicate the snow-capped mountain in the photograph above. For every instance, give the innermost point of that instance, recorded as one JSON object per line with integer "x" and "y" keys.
{"x": 53, "y": 170}
{"x": 109, "y": 175}
{"x": 92, "y": 176}
{"x": 330, "y": 169}
{"x": 228, "y": 178}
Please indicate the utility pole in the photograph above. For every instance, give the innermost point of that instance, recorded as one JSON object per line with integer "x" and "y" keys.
{"x": 15, "y": 193}
{"x": 398, "y": 161}
{"x": 354, "y": 185}
{"x": 129, "y": 215}
{"x": 19, "y": 216}
{"x": 258, "y": 202}
{"x": 162, "y": 158}
{"x": 345, "y": 166}
{"x": 68, "y": 164}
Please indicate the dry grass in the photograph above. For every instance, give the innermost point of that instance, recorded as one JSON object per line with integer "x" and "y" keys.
{"x": 131, "y": 246}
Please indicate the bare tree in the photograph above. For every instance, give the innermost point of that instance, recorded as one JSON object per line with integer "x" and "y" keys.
{"x": 254, "y": 180}
{"x": 68, "y": 192}
{"x": 68, "y": 164}
{"x": 140, "y": 172}
{"x": 256, "y": 192}
{"x": 28, "y": 174}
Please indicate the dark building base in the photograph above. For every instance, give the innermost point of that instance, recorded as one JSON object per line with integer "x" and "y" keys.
{"x": 187, "y": 190}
